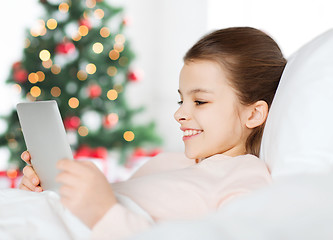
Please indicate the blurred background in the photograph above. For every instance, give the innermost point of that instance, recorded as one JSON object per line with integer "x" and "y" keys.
{"x": 160, "y": 32}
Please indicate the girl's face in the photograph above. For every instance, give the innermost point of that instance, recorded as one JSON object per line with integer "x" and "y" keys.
{"x": 210, "y": 114}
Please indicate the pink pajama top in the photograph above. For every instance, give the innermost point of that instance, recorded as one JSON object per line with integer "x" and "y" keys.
{"x": 172, "y": 187}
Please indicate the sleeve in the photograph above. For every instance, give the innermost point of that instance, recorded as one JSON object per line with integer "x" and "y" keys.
{"x": 121, "y": 222}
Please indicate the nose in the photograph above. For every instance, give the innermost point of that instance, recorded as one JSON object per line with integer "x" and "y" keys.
{"x": 181, "y": 115}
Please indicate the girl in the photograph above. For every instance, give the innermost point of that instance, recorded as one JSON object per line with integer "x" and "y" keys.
{"x": 226, "y": 86}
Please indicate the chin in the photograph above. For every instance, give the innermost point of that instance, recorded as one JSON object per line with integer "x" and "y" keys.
{"x": 193, "y": 155}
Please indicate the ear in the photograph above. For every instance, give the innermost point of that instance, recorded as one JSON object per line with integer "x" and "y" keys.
{"x": 257, "y": 114}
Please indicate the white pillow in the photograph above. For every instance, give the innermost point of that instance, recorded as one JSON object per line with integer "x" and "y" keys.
{"x": 298, "y": 137}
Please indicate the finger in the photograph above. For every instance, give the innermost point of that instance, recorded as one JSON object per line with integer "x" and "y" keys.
{"x": 23, "y": 187}
{"x": 26, "y": 185}
{"x": 31, "y": 175}
{"x": 68, "y": 179}
{"x": 71, "y": 166}
{"x": 26, "y": 157}
{"x": 66, "y": 193}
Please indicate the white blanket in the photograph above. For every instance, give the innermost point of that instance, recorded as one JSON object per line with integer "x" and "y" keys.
{"x": 29, "y": 215}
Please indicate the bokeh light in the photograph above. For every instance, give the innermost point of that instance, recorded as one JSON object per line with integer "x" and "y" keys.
{"x": 99, "y": 13}
{"x": 83, "y": 131}
{"x": 112, "y": 94}
{"x": 44, "y": 55}
{"x": 98, "y": 47}
{"x": 83, "y": 30}
{"x": 55, "y": 91}
{"x": 41, "y": 76}
{"x": 47, "y": 64}
{"x": 33, "y": 78}
{"x": 35, "y": 91}
{"x": 52, "y": 24}
{"x": 120, "y": 39}
{"x": 55, "y": 69}
{"x": 112, "y": 71}
{"x": 114, "y": 54}
{"x": 91, "y": 3}
{"x": 63, "y": 7}
{"x": 129, "y": 136}
{"x": 73, "y": 102}
{"x": 91, "y": 68}
{"x": 81, "y": 75}
{"x": 104, "y": 32}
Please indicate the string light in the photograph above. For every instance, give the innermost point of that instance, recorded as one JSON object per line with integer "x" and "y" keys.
{"x": 33, "y": 78}
{"x": 35, "y": 91}
{"x": 114, "y": 54}
{"x": 81, "y": 75}
{"x": 118, "y": 87}
{"x": 55, "y": 91}
{"x": 98, "y": 47}
{"x": 47, "y": 64}
{"x": 73, "y": 102}
{"x": 120, "y": 39}
{"x": 83, "y": 131}
{"x": 38, "y": 29}
{"x": 63, "y": 7}
{"x": 76, "y": 37}
{"x": 91, "y": 68}
{"x": 99, "y": 13}
{"x": 129, "y": 136}
{"x": 112, "y": 71}
{"x": 52, "y": 24}
{"x": 91, "y": 3}
{"x": 83, "y": 30}
{"x": 112, "y": 119}
{"x": 112, "y": 94}
{"x": 17, "y": 87}
{"x": 44, "y": 55}
{"x": 119, "y": 47}
{"x": 55, "y": 69}
{"x": 104, "y": 32}
{"x": 41, "y": 76}
{"x": 123, "y": 61}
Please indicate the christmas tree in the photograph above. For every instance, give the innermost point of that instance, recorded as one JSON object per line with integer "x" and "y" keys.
{"x": 79, "y": 56}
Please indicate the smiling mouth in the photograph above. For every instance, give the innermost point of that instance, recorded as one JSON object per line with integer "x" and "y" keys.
{"x": 189, "y": 133}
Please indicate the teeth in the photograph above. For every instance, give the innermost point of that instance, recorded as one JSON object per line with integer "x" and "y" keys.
{"x": 191, "y": 132}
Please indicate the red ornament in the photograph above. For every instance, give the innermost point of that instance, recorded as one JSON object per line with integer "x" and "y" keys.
{"x": 17, "y": 66}
{"x": 126, "y": 21}
{"x": 110, "y": 120}
{"x": 20, "y": 75}
{"x": 139, "y": 152}
{"x": 85, "y": 22}
{"x": 65, "y": 48}
{"x": 72, "y": 122}
{"x": 85, "y": 151}
{"x": 100, "y": 152}
{"x": 135, "y": 76}
{"x": 94, "y": 91}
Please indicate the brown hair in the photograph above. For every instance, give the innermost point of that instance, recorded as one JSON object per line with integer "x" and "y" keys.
{"x": 254, "y": 63}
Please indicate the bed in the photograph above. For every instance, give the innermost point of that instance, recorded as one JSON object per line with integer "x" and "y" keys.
{"x": 297, "y": 147}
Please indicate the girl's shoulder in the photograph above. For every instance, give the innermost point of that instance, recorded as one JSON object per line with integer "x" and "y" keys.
{"x": 164, "y": 162}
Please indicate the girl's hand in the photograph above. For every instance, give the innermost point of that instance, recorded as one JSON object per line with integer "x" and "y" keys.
{"x": 85, "y": 191}
{"x": 30, "y": 180}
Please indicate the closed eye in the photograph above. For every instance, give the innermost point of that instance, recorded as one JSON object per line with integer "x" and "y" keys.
{"x": 180, "y": 102}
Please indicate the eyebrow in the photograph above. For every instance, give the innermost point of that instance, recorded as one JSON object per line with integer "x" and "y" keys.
{"x": 197, "y": 90}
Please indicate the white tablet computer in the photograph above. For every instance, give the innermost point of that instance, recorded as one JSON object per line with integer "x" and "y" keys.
{"x": 45, "y": 138}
